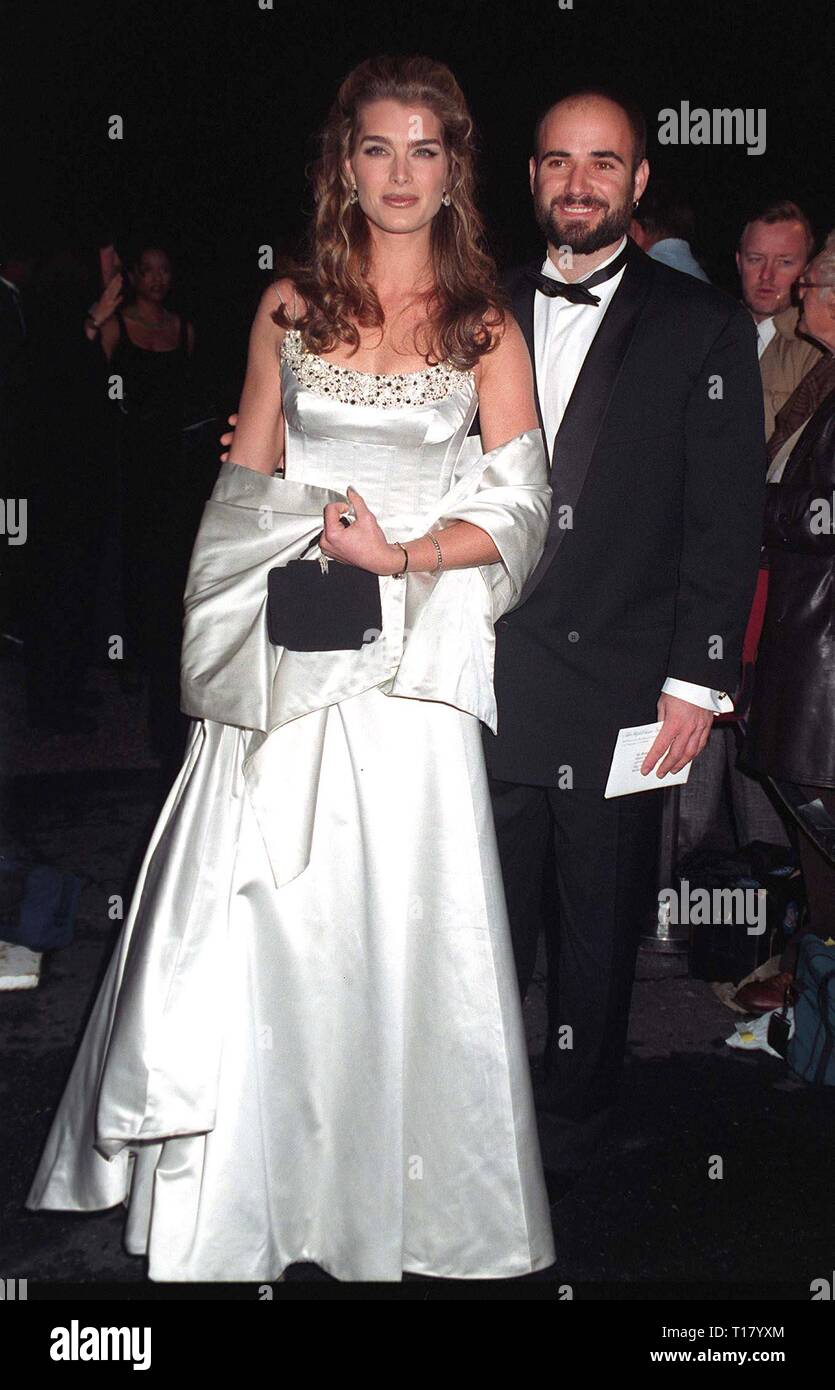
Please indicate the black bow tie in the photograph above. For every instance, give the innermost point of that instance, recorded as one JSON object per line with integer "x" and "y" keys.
{"x": 578, "y": 293}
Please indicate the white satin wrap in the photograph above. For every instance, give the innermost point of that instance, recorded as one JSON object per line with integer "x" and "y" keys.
{"x": 437, "y": 639}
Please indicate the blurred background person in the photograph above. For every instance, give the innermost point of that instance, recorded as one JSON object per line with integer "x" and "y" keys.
{"x": 774, "y": 248}
{"x": 804, "y": 401}
{"x": 149, "y": 345}
{"x": 664, "y": 225}
{"x": 791, "y": 727}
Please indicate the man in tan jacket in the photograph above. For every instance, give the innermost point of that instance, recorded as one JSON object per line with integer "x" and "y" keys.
{"x": 774, "y": 249}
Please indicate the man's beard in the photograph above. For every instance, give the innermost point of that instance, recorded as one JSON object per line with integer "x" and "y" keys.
{"x": 582, "y": 239}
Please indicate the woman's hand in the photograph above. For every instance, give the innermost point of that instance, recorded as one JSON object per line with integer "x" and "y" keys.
{"x": 109, "y": 301}
{"x": 362, "y": 543}
{"x": 228, "y": 437}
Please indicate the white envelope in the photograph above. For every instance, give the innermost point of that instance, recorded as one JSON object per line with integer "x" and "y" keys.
{"x": 625, "y": 774}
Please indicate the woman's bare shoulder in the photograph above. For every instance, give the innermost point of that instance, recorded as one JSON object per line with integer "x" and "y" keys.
{"x": 286, "y": 291}
{"x": 507, "y": 342}
{"x": 266, "y": 328}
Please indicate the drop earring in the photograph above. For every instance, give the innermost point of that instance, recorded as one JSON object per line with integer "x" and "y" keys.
{"x": 355, "y": 197}
{"x": 446, "y": 200}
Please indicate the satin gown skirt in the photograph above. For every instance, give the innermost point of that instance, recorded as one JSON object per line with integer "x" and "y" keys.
{"x": 374, "y": 1110}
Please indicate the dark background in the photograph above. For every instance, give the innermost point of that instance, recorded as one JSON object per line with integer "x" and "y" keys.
{"x": 221, "y": 102}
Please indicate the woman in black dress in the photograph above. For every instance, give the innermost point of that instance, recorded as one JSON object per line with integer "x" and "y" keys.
{"x": 150, "y": 347}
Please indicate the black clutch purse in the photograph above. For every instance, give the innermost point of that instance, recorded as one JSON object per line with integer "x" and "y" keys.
{"x": 322, "y": 608}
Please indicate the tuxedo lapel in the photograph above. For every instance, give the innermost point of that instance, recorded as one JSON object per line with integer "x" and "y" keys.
{"x": 586, "y": 410}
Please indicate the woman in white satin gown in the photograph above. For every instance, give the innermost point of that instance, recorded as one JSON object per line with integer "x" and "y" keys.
{"x": 309, "y": 1044}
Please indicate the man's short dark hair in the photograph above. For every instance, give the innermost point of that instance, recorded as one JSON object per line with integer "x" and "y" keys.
{"x": 784, "y": 211}
{"x": 664, "y": 211}
{"x": 633, "y": 114}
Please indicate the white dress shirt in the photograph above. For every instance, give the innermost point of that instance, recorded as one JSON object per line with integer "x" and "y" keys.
{"x": 766, "y": 328}
{"x": 563, "y": 333}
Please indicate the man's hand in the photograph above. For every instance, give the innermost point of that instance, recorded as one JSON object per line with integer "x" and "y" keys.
{"x": 683, "y": 734}
{"x": 228, "y": 437}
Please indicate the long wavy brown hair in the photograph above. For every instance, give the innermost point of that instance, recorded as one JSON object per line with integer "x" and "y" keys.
{"x": 464, "y": 304}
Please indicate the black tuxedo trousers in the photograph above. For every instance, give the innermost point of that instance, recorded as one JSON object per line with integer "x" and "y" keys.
{"x": 582, "y": 871}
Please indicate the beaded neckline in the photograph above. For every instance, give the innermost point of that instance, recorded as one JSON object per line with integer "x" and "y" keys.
{"x": 386, "y": 389}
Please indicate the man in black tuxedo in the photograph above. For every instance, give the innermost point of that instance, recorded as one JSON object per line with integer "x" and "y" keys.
{"x": 649, "y": 396}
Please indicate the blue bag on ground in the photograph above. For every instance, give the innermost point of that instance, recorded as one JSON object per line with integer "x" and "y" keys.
{"x": 811, "y": 1053}
{"x": 40, "y": 904}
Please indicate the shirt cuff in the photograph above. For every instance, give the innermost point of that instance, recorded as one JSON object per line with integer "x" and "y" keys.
{"x": 717, "y": 701}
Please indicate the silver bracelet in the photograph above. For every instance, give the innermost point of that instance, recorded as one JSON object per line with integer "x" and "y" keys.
{"x": 434, "y": 541}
